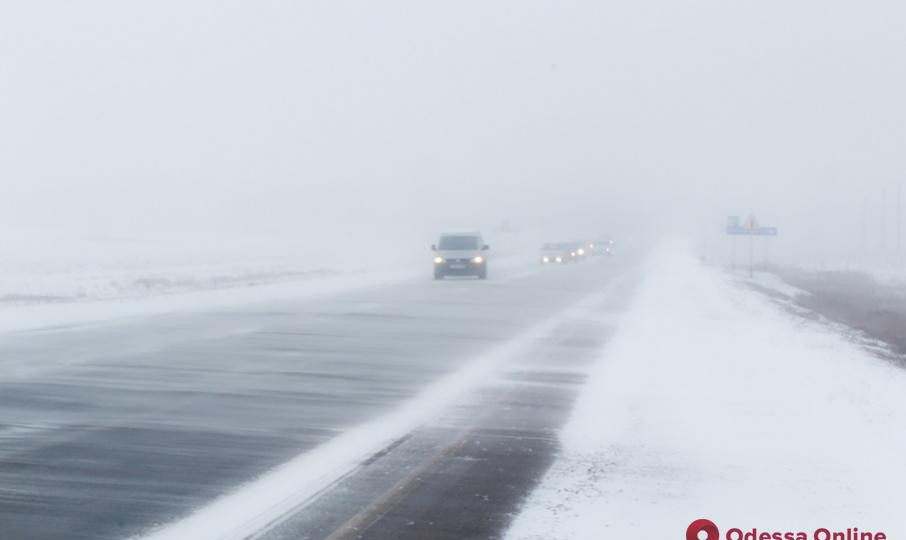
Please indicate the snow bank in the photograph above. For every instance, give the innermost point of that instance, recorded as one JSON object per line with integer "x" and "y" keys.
{"x": 51, "y": 278}
{"x": 711, "y": 402}
{"x": 40, "y": 267}
{"x": 55, "y": 315}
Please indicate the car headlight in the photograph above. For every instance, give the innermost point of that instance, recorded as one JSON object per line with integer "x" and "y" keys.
{"x": 572, "y": 253}
{"x": 478, "y": 260}
{"x": 581, "y": 251}
{"x": 559, "y": 259}
{"x": 438, "y": 260}
{"x": 545, "y": 259}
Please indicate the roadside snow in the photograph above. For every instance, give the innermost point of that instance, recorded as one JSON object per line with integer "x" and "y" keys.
{"x": 55, "y": 278}
{"x": 52, "y": 278}
{"x": 712, "y": 402}
{"x": 55, "y": 267}
{"x": 55, "y": 315}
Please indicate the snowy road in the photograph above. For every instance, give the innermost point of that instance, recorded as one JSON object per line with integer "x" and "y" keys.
{"x": 141, "y": 426}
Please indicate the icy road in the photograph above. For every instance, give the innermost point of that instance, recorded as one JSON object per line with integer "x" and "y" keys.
{"x": 407, "y": 410}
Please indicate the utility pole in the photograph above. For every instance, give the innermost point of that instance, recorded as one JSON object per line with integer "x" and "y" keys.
{"x": 883, "y": 222}
{"x": 864, "y": 246}
{"x": 899, "y": 219}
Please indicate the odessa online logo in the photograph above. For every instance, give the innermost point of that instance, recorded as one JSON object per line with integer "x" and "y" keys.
{"x": 705, "y": 529}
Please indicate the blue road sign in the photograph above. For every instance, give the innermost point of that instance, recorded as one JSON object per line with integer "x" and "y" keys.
{"x": 750, "y": 227}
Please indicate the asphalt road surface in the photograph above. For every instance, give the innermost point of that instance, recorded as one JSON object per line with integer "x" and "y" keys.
{"x": 120, "y": 429}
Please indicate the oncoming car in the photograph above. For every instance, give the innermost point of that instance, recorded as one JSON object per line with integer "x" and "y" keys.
{"x": 601, "y": 247}
{"x": 553, "y": 253}
{"x": 460, "y": 254}
{"x": 561, "y": 252}
{"x": 578, "y": 252}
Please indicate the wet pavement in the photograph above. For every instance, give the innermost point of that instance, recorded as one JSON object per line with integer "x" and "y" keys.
{"x": 107, "y": 431}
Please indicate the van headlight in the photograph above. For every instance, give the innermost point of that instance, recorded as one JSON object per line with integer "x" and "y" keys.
{"x": 478, "y": 259}
{"x": 559, "y": 259}
{"x": 438, "y": 260}
{"x": 581, "y": 251}
{"x": 545, "y": 259}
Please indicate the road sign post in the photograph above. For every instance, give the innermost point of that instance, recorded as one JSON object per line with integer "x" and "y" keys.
{"x": 751, "y": 228}
{"x": 751, "y": 253}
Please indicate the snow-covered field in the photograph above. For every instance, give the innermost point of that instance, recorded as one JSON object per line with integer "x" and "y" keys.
{"x": 713, "y": 402}
{"x": 50, "y": 278}
{"x": 53, "y": 278}
{"x": 52, "y": 266}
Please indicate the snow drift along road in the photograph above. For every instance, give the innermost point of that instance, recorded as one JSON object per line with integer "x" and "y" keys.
{"x": 255, "y": 507}
{"x": 712, "y": 402}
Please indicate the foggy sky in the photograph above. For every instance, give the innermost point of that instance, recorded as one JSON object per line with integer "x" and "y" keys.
{"x": 576, "y": 115}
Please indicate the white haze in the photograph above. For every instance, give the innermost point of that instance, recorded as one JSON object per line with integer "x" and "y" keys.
{"x": 336, "y": 122}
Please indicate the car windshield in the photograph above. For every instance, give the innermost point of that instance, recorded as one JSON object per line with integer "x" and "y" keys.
{"x": 458, "y": 242}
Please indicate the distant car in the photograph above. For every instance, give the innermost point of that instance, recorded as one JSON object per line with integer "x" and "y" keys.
{"x": 561, "y": 252}
{"x": 460, "y": 254}
{"x": 553, "y": 253}
{"x": 578, "y": 252}
{"x": 600, "y": 247}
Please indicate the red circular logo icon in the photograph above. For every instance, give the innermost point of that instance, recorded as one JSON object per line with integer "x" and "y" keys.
{"x": 700, "y": 525}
